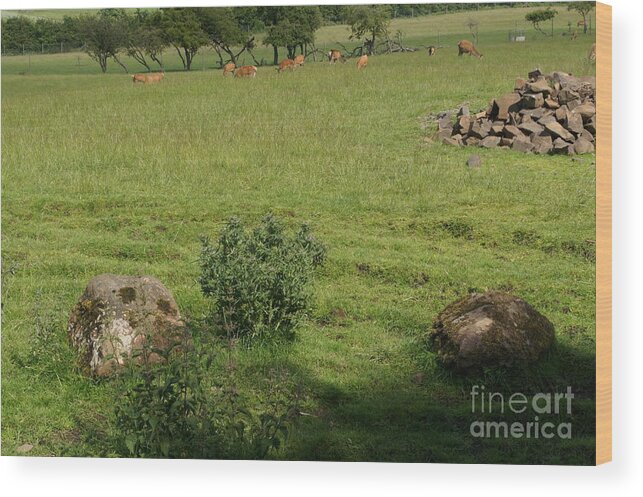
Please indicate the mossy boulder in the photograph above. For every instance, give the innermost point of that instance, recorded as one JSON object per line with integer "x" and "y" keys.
{"x": 117, "y": 316}
{"x": 489, "y": 330}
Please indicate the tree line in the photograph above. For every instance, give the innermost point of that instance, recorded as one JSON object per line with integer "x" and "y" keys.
{"x": 144, "y": 34}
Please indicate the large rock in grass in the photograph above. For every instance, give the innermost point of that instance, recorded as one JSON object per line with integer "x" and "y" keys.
{"x": 120, "y": 316}
{"x": 489, "y": 330}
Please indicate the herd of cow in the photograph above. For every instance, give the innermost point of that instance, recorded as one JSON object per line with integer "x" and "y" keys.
{"x": 334, "y": 56}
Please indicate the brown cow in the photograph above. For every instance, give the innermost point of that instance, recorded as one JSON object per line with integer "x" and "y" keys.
{"x": 154, "y": 77}
{"x": 592, "y": 52}
{"x": 299, "y": 60}
{"x": 465, "y": 46}
{"x": 286, "y": 64}
{"x": 229, "y": 68}
{"x": 334, "y": 56}
{"x": 362, "y": 62}
{"x": 246, "y": 72}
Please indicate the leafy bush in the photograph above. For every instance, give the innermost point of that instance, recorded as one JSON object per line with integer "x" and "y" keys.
{"x": 171, "y": 409}
{"x": 260, "y": 280}
{"x": 161, "y": 407}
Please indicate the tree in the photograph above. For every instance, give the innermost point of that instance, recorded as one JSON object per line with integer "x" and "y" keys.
{"x": 294, "y": 28}
{"x": 17, "y": 31}
{"x": 182, "y": 29}
{"x": 583, "y": 8}
{"x": 145, "y": 37}
{"x": 538, "y": 16}
{"x": 104, "y": 35}
{"x": 368, "y": 22}
{"x": 223, "y": 31}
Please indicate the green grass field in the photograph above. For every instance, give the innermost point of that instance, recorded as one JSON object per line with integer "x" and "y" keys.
{"x": 99, "y": 175}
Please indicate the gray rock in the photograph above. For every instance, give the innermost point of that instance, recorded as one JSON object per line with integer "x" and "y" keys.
{"x": 117, "y": 315}
{"x": 586, "y": 110}
{"x": 574, "y": 123}
{"x": 550, "y": 103}
{"x": 512, "y": 132}
{"x": 543, "y": 144}
{"x": 490, "y": 142}
{"x": 539, "y": 86}
{"x": 533, "y": 101}
{"x": 531, "y": 128}
{"x": 464, "y": 111}
{"x": 522, "y": 145}
{"x": 474, "y": 161}
{"x": 563, "y": 147}
{"x": 556, "y": 130}
{"x": 505, "y": 104}
{"x": 489, "y": 330}
{"x": 24, "y": 448}
{"x": 583, "y": 146}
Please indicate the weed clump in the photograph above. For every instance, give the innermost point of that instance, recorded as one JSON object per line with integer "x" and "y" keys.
{"x": 260, "y": 280}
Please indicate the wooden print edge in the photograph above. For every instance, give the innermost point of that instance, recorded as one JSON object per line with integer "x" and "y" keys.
{"x": 603, "y": 233}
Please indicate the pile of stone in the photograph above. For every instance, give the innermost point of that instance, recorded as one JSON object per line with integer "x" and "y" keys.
{"x": 546, "y": 113}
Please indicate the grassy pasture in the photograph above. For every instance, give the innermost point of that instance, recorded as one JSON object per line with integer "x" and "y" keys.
{"x": 99, "y": 175}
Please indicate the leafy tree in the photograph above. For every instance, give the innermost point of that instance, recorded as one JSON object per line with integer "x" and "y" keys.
{"x": 182, "y": 29}
{"x": 145, "y": 37}
{"x": 17, "y": 31}
{"x": 369, "y": 22}
{"x": 104, "y": 35}
{"x": 538, "y": 16}
{"x": 583, "y": 8}
{"x": 223, "y": 31}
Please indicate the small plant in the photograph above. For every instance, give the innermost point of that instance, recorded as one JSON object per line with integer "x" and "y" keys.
{"x": 171, "y": 409}
{"x": 161, "y": 408}
{"x": 260, "y": 280}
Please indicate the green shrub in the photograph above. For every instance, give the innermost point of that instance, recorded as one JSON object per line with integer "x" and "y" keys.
{"x": 173, "y": 410}
{"x": 260, "y": 280}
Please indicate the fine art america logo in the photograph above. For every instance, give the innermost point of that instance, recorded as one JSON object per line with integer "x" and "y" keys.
{"x": 528, "y": 409}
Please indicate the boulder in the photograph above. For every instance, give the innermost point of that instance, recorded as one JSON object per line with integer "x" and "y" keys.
{"x": 509, "y": 102}
{"x": 512, "y": 132}
{"x": 583, "y": 146}
{"x": 586, "y": 110}
{"x": 118, "y": 316}
{"x": 539, "y": 86}
{"x": 543, "y": 144}
{"x": 522, "y": 145}
{"x": 486, "y": 330}
{"x": 574, "y": 123}
{"x": 563, "y": 147}
{"x": 490, "y": 142}
{"x": 556, "y": 130}
{"x": 444, "y": 122}
{"x": 550, "y": 103}
{"x": 474, "y": 161}
{"x": 531, "y": 128}
{"x": 533, "y": 101}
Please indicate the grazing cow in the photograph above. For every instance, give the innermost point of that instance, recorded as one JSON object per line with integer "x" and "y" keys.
{"x": 229, "y": 68}
{"x": 362, "y": 62}
{"x": 246, "y": 72}
{"x": 334, "y": 56}
{"x": 286, "y": 64}
{"x": 465, "y": 46}
{"x": 154, "y": 77}
{"x": 431, "y": 50}
{"x": 299, "y": 60}
{"x": 592, "y": 52}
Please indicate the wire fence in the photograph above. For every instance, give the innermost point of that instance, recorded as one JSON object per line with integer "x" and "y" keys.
{"x": 41, "y": 48}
